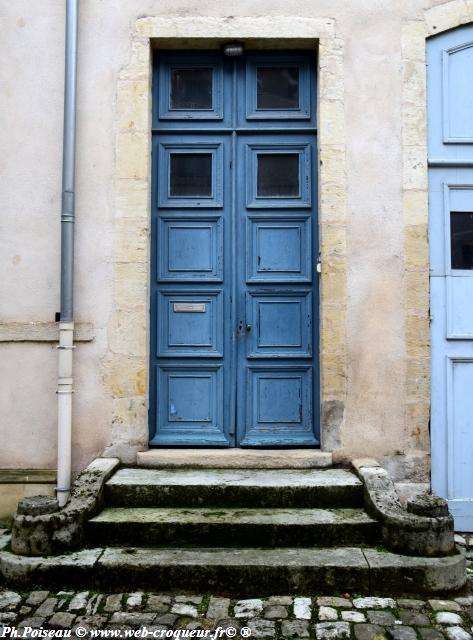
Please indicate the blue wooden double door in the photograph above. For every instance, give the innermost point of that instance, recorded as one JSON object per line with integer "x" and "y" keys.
{"x": 234, "y": 291}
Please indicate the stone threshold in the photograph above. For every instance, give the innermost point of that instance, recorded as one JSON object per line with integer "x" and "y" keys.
{"x": 235, "y": 458}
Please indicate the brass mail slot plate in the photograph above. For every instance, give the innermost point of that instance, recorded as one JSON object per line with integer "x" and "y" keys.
{"x": 189, "y": 307}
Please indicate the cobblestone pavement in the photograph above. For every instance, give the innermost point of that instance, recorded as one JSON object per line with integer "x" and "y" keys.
{"x": 323, "y": 618}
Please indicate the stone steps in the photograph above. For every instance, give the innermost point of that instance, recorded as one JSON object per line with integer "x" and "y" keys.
{"x": 246, "y": 488}
{"x": 249, "y": 571}
{"x": 233, "y": 527}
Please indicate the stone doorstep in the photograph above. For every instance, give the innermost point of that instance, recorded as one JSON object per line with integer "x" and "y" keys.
{"x": 235, "y": 458}
{"x": 241, "y": 570}
{"x": 247, "y": 488}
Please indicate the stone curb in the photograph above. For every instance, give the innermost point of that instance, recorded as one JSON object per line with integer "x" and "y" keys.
{"x": 402, "y": 531}
{"x": 52, "y": 533}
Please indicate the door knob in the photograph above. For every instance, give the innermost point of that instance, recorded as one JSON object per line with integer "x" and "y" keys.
{"x": 248, "y": 327}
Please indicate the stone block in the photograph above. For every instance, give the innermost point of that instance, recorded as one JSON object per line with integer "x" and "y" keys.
{"x": 131, "y": 240}
{"x": 130, "y": 281}
{"x": 331, "y": 76}
{"x": 128, "y": 332}
{"x": 414, "y": 123}
{"x": 413, "y": 40}
{"x": 446, "y": 16}
{"x": 132, "y": 199}
{"x": 418, "y": 379}
{"x": 126, "y": 376}
{"x": 295, "y": 629}
{"x": 332, "y": 164}
{"x": 415, "y": 207}
{"x": 417, "y": 336}
{"x": 134, "y": 105}
{"x": 133, "y": 156}
{"x": 332, "y": 630}
{"x": 416, "y": 247}
{"x": 415, "y": 167}
{"x": 413, "y": 82}
{"x": 332, "y": 122}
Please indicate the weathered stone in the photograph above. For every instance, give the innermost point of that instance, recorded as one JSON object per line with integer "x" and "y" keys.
{"x": 332, "y": 630}
{"x": 374, "y": 603}
{"x": 167, "y": 619}
{"x": 158, "y": 604}
{"x": 51, "y": 533}
{"x": 7, "y": 616}
{"x": 395, "y": 573}
{"x": 369, "y": 632}
{"x": 295, "y": 629}
{"x": 415, "y": 618}
{"x": 464, "y": 601}
{"x": 327, "y": 613}
{"x": 132, "y": 618}
{"x": 37, "y": 597}
{"x": 91, "y": 622}
{"x": 113, "y": 603}
{"x": 428, "y": 506}
{"x": 448, "y": 617}
{"x": 185, "y": 610}
{"x": 218, "y": 608}
{"x": 409, "y": 603}
{"x": 47, "y": 608}
{"x": 353, "y": 616}
{"x": 24, "y": 611}
{"x": 275, "y": 611}
{"x": 403, "y": 531}
{"x": 457, "y": 633}
{"x": 327, "y": 601}
{"x": 226, "y": 623}
{"x": 156, "y": 627}
{"x": 284, "y": 600}
{"x": 248, "y": 608}
{"x": 444, "y": 605}
{"x": 383, "y": 618}
{"x": 37, "y": 506}
{"x": 303, "y": 608}
{"x": 427, "y": 633}
{"x": 134, "y": 600}
{"x": 261, "y": 628}
{"x": 94, "y": 604}
{"x": 198, "y": 624}
{"x": 9, "y": 600}
{"x": 79, "y": 601}
{"x": 460, "y": 540}
{"x": 35, "y": 622}
{"x": 61, "y": 620}
{"x": 403, "y": 633}
{"x": 187, "y": 599}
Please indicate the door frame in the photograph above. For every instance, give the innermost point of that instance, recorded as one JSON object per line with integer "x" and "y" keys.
{"x": 127, "y": 364}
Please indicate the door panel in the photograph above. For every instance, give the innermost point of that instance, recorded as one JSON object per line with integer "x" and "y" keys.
{"x": 450, "y": 106}
{"x": 275, "y": 402}
{"x": 234, "y": 306}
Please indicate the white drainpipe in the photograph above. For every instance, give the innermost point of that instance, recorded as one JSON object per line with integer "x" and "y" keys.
{"x": 66, "y": 320}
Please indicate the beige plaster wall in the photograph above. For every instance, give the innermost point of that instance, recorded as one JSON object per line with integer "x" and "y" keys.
{"x": 370, "y": 415}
